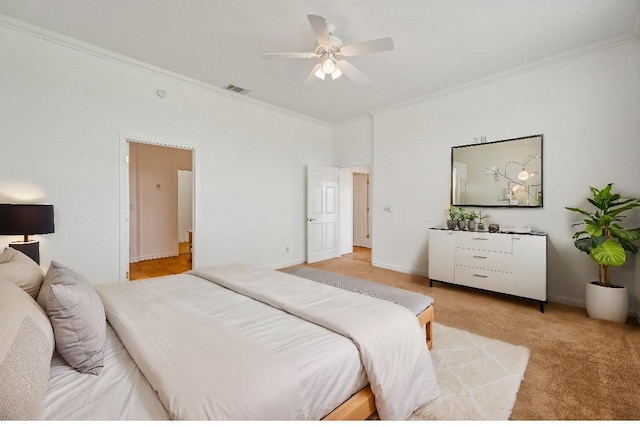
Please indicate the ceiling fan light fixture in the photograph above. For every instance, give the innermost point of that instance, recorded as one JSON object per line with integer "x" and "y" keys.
{"x": 328, "y": 66}
{"x": 320, "y": 74}
{"x": 337, "y": 73}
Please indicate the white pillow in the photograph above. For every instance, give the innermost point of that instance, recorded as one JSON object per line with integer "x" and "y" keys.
{"x": 18, "y": 268}
{"x": 78, "y": 318}
{"x": 26, "y": 347}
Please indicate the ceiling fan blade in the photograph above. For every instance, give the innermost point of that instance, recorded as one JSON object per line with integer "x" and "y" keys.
{"x": 290, "y": 55}
{"x": 311, "y": 78}
{"x": 319, "y": 27}
{"x": 352, "y": 72}
{"x": 371, "y": 46}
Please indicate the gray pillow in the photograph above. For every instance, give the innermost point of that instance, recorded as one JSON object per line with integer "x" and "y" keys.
{"x": 18, "y": 268}
{"x": 26, "y": 346}
{"x": 77, "y": 316}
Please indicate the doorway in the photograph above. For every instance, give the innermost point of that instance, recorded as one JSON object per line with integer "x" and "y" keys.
{"x": 354, "y": 180}
{"x": 361, "y": 210}
{"x": 151, "y": 232}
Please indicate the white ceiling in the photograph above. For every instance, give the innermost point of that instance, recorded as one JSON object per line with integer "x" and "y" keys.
{"x": 439, "y": 44}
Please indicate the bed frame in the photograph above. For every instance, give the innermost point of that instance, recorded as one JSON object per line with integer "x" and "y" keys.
{"x": 362, "y": 405}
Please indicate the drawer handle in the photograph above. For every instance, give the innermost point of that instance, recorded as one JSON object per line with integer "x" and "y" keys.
{"x": 479, "y": 238}
{"x": 480, "y": 275}
{"x": 480, "y": 257}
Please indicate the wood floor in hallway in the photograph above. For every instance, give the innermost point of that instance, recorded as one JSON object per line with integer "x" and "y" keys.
{"x": 161, "y": 266}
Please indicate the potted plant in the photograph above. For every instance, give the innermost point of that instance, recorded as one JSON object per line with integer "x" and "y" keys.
{"x": 480, "y": 223}
{"x": 462, "y": 219}
{"x": 471, "y": 220}
{"x": 607, "y": 243}
{"x": 454, "y": 215}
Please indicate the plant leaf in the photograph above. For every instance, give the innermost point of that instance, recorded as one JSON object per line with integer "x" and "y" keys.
{"x": 629, "y": 246}
{"x": 609, "y": 253}
{"x": 580, "y": 211}
{"x": 630, "y": 235}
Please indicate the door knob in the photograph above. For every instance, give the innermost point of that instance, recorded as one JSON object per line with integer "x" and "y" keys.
{"x": 311, "y": 219}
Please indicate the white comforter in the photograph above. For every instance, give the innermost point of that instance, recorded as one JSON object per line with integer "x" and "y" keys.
{"x": 202, "y": 368}
{"x": 199, "y": 368}
{"x": 391, "y": 344}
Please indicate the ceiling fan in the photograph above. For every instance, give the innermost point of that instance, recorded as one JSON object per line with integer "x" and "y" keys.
{"x": 330, "y": 52}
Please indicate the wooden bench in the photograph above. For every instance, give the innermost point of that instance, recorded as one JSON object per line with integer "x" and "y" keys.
{"x": 419, "y": 304}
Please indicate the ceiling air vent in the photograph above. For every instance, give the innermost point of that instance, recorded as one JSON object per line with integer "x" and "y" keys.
{"x": 236, "y": 89}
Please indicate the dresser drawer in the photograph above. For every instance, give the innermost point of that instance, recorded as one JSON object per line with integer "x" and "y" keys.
{"x": 497, "y": 281}
{"x": 486, "y": 260}
{"x": 484, "y": 241}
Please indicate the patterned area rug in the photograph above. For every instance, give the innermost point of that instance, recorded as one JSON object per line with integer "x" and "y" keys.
{"x": 479, "y": 377}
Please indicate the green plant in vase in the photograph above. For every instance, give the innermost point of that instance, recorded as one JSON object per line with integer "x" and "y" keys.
{"x": 462, "y": 219}
{"x": 471, "y": 220}
{"x": 454, "y": 216}
{"x": 607, "y": 243}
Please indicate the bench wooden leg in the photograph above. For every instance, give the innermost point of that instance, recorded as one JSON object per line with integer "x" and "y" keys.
{"x": 426, "y": 318}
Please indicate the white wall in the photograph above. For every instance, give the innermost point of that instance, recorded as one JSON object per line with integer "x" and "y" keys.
{"x": 587, "y": 107}
{"x": 185, "y": 204}
{"x": 62, "y": 114}
{"x": 353, "y": 142}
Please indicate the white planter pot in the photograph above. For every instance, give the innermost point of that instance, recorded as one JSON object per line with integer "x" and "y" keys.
{"x": 607, "y": 303}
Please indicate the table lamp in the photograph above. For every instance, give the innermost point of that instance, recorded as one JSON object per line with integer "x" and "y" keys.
{"x": 16, "y": 219}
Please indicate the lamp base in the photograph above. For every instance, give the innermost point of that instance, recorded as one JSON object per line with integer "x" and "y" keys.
{"x": 30, "y": 249}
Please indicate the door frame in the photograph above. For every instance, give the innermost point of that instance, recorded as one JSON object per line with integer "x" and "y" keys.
{"x": 125, "y": 139}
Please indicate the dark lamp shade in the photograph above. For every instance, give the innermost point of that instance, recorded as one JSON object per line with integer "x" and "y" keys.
{"x": 26, "y": 219}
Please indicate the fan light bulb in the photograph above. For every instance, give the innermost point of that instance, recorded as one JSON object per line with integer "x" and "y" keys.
{"x": 337, "y": 73}
{"x": 328, "y": 66}
{"x": 320, "y": 74}
{"x": 523, "y": 175}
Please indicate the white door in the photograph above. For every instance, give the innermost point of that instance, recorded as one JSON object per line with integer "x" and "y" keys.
{"x": 322, "y": 213}
{"x": 361, "y": 236}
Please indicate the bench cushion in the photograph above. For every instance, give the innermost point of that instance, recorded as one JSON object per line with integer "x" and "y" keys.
{"x": 412, "y": 301}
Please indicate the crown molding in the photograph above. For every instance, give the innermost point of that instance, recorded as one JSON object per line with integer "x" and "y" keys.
{"x": 503, "y": 75}
{"x": 89, "y": 49}
{"x": 363, "y": 117}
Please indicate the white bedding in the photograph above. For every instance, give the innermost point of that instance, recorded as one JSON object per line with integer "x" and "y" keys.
{"x": 327, "y": 366}
{"x": 120, "y": 392}
{"x": 390, "y": 342}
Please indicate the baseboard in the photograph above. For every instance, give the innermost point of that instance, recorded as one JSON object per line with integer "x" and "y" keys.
{"x": 399, "y": 269}
{"x": 156, "y": 256}
{"x": 566, "y": 301}
{"x": 287, "y": 264}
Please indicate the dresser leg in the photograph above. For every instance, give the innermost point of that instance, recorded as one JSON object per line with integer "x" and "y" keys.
{"x": 541, "y": 306}
{"x": 430, "y": 283}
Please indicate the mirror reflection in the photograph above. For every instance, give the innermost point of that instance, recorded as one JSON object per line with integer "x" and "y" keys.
{"x": 499, "y": 173}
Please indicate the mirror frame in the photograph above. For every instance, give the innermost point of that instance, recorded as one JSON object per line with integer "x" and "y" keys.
{"x": 504, "y": 141}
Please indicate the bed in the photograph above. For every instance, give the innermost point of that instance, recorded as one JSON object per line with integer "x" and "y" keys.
{"x": 237, "y": 342}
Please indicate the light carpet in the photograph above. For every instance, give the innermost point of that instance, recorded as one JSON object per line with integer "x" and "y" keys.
{"x": 479, "y": 377}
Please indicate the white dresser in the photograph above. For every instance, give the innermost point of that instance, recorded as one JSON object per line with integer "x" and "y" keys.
{"x": 513, "y": 264}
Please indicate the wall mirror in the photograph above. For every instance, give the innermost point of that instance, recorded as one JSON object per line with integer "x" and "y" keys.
{"x": 498, "y": 173}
